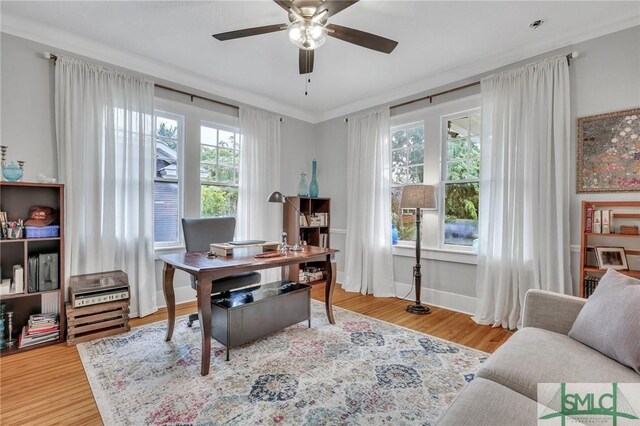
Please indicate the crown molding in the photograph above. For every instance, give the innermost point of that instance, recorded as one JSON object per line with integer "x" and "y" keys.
{"x": 475, "y": 69}
{"x": 63, "y": 40}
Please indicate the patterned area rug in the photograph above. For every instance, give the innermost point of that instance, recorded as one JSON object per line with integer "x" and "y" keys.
{"x": 358, "y": 371}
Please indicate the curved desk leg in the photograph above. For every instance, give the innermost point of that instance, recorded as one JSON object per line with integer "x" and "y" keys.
{"x": 170, "y": 298}
{"x": 331, "y": 282}
{"x": 204, "y": 316}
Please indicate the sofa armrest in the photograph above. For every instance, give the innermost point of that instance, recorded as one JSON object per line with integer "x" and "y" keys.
{"x": 551, "y": 311}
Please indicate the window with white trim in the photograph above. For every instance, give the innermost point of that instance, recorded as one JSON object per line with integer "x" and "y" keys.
{"x": 169, "y": 131}
{"x": 407, "y": 166}
{"x": 219, "y": 169}
{"x": 438, "y": 145}
{"x": 460, "y": 179}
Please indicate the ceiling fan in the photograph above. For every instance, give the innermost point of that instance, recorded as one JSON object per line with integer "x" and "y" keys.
{"x": 308, "y": 29}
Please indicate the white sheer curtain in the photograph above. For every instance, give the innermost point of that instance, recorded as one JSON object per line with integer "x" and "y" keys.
{"x": 259, "y": 177}
{"x": 104, "y": 130}
{"x": 368, "y": 258}
{"x": 524, "y": 189}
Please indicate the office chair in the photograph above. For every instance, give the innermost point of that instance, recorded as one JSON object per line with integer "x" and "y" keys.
{"x": 198, "y": 234}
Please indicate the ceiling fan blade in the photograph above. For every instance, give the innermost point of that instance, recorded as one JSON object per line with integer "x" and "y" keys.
{"x": 336, "y": 6}
{"x": 250, "y": 32}
{"x": 305, "y": 61}
{"x": 361, "y": 38}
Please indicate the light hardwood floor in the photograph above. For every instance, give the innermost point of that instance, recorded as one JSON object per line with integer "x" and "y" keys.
{"x": 48, "y": 386}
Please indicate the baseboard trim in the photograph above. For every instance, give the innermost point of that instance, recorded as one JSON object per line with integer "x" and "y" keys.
{"x": 441, "y": 299}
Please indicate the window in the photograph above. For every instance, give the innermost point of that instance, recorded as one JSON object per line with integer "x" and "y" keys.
{"x": 461, "y": 173}
{"x": 219, "y": 169}
{"x": 407, "y": 166}
{"x": 166, "y": 189}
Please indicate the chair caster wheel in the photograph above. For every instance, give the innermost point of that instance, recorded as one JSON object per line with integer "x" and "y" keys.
{"x": 189, "y": 324}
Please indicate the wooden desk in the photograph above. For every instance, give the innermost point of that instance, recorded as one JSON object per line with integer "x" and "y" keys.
{"x": 207, "y": 269}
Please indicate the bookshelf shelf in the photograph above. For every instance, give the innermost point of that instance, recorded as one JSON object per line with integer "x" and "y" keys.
{"x": 15, "y": 199}
{"x": 620, "y": 213}
{"x": 314, "y": 235}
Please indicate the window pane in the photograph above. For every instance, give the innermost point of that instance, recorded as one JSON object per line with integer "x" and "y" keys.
{"x": 399, "y": 158}
{"x": 208, "y": 173}
{"x": 416, "y": 136}
{"x": 226, "y": 139}
{"x": 166, "y": 127}
{"x": 458, "y": 128}
{"x": 225, "y": 174}
{"x": 456, "y": 170}
{"x": 165, "y": 211}
{"x": 399, "y": 175}
{"x": 218, "y": 201}
{"x": 474, "y": 146}
{"x": 416, "y": 155}
{"x": 208, "y": 136}
{"x": 225, "y": 157}
{"x": 456, "y": 149}
{"x": 415, "y": 174}
{"x": 404, "y": 224}
{"x": 166, "y": 159}
{"x": 399, "y": 139}
{"x": 461, "y": 213}
{"x": 474, "y": 168}
{"x": 474, "y": 125}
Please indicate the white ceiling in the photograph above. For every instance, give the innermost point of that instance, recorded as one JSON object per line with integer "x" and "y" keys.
{"x": 439, "y": 42}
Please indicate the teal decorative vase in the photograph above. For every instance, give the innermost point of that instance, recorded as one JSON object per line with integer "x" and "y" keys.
{"x": 313, "y": 186}
{"x": 303, "y": 188}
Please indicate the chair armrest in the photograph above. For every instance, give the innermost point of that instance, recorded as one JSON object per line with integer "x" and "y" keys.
{"x": 551, "y": 311}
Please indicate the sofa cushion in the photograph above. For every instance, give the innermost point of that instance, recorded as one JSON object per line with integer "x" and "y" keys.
{"x": 610, "y": 320}
{"x": 533, "y": 355}
{"x": 484, "y": 402}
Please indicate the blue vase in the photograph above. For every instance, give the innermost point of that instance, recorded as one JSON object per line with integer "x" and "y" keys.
{"x": 303, "y": 188}
{"x": 394, "y": 235}
{"x": 313, "y": 186}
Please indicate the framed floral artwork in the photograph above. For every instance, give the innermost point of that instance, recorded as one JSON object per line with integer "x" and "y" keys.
{"x": 609, "y": 152}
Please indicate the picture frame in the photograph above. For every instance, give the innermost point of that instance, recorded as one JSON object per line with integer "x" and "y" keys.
{"x": 612, "y": 258}
{"x": 607, "y": 158}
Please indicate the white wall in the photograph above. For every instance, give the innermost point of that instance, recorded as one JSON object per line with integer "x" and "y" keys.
{"x": 604, "y": 78}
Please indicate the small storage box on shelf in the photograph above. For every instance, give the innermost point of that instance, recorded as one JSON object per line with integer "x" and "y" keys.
{"x": 42, "y": 231}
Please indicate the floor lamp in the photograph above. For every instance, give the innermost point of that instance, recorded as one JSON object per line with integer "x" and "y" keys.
{"x": 418, "y": 197}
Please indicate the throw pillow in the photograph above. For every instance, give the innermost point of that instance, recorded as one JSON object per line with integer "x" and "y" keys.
{"x": 610, "y": 320}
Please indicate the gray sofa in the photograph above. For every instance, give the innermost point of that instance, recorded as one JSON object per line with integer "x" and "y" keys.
{"x": 504, "y": 390}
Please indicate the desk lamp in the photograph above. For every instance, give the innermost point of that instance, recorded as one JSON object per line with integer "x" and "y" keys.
{"x": 418, "y": 197}
{"x": 277, "y": 197}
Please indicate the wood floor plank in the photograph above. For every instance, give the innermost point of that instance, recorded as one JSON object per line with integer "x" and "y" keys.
{"x": 48, "y": 386}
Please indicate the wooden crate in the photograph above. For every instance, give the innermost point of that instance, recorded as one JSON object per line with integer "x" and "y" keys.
{"x": 96, "y": 321}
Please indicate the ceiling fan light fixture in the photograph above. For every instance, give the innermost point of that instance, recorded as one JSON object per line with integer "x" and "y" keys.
{"x": 307, "y": 35}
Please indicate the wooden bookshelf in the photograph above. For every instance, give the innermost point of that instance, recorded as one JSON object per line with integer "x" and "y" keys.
{"x": 16, "y": 198}
{"x": 311, "y": 234}
{"x": 623, "y": 213}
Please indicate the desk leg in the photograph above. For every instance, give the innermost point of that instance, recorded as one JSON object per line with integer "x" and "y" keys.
{"x": 331, "y": 283}
{"x": 204, "y": 316}
{"x": 170, "y": 298}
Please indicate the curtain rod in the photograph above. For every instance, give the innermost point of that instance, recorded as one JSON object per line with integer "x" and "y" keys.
{"x": 570, "y": 56}
{"x": 52, "y": 57}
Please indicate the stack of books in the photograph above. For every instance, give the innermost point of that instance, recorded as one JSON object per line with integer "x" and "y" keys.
{"x": 41, "y": 328}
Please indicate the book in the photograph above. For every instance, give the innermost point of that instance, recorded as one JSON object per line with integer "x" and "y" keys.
{"x": 605, "y": 221}
{"x": 588, "y": 226}
{"x": 18, "y": 279}
{"x": 597, "y": 221}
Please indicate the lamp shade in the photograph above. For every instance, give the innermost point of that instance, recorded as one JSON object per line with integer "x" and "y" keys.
{"x": 276, "y": 197}
{"x": 418, "y": 197}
